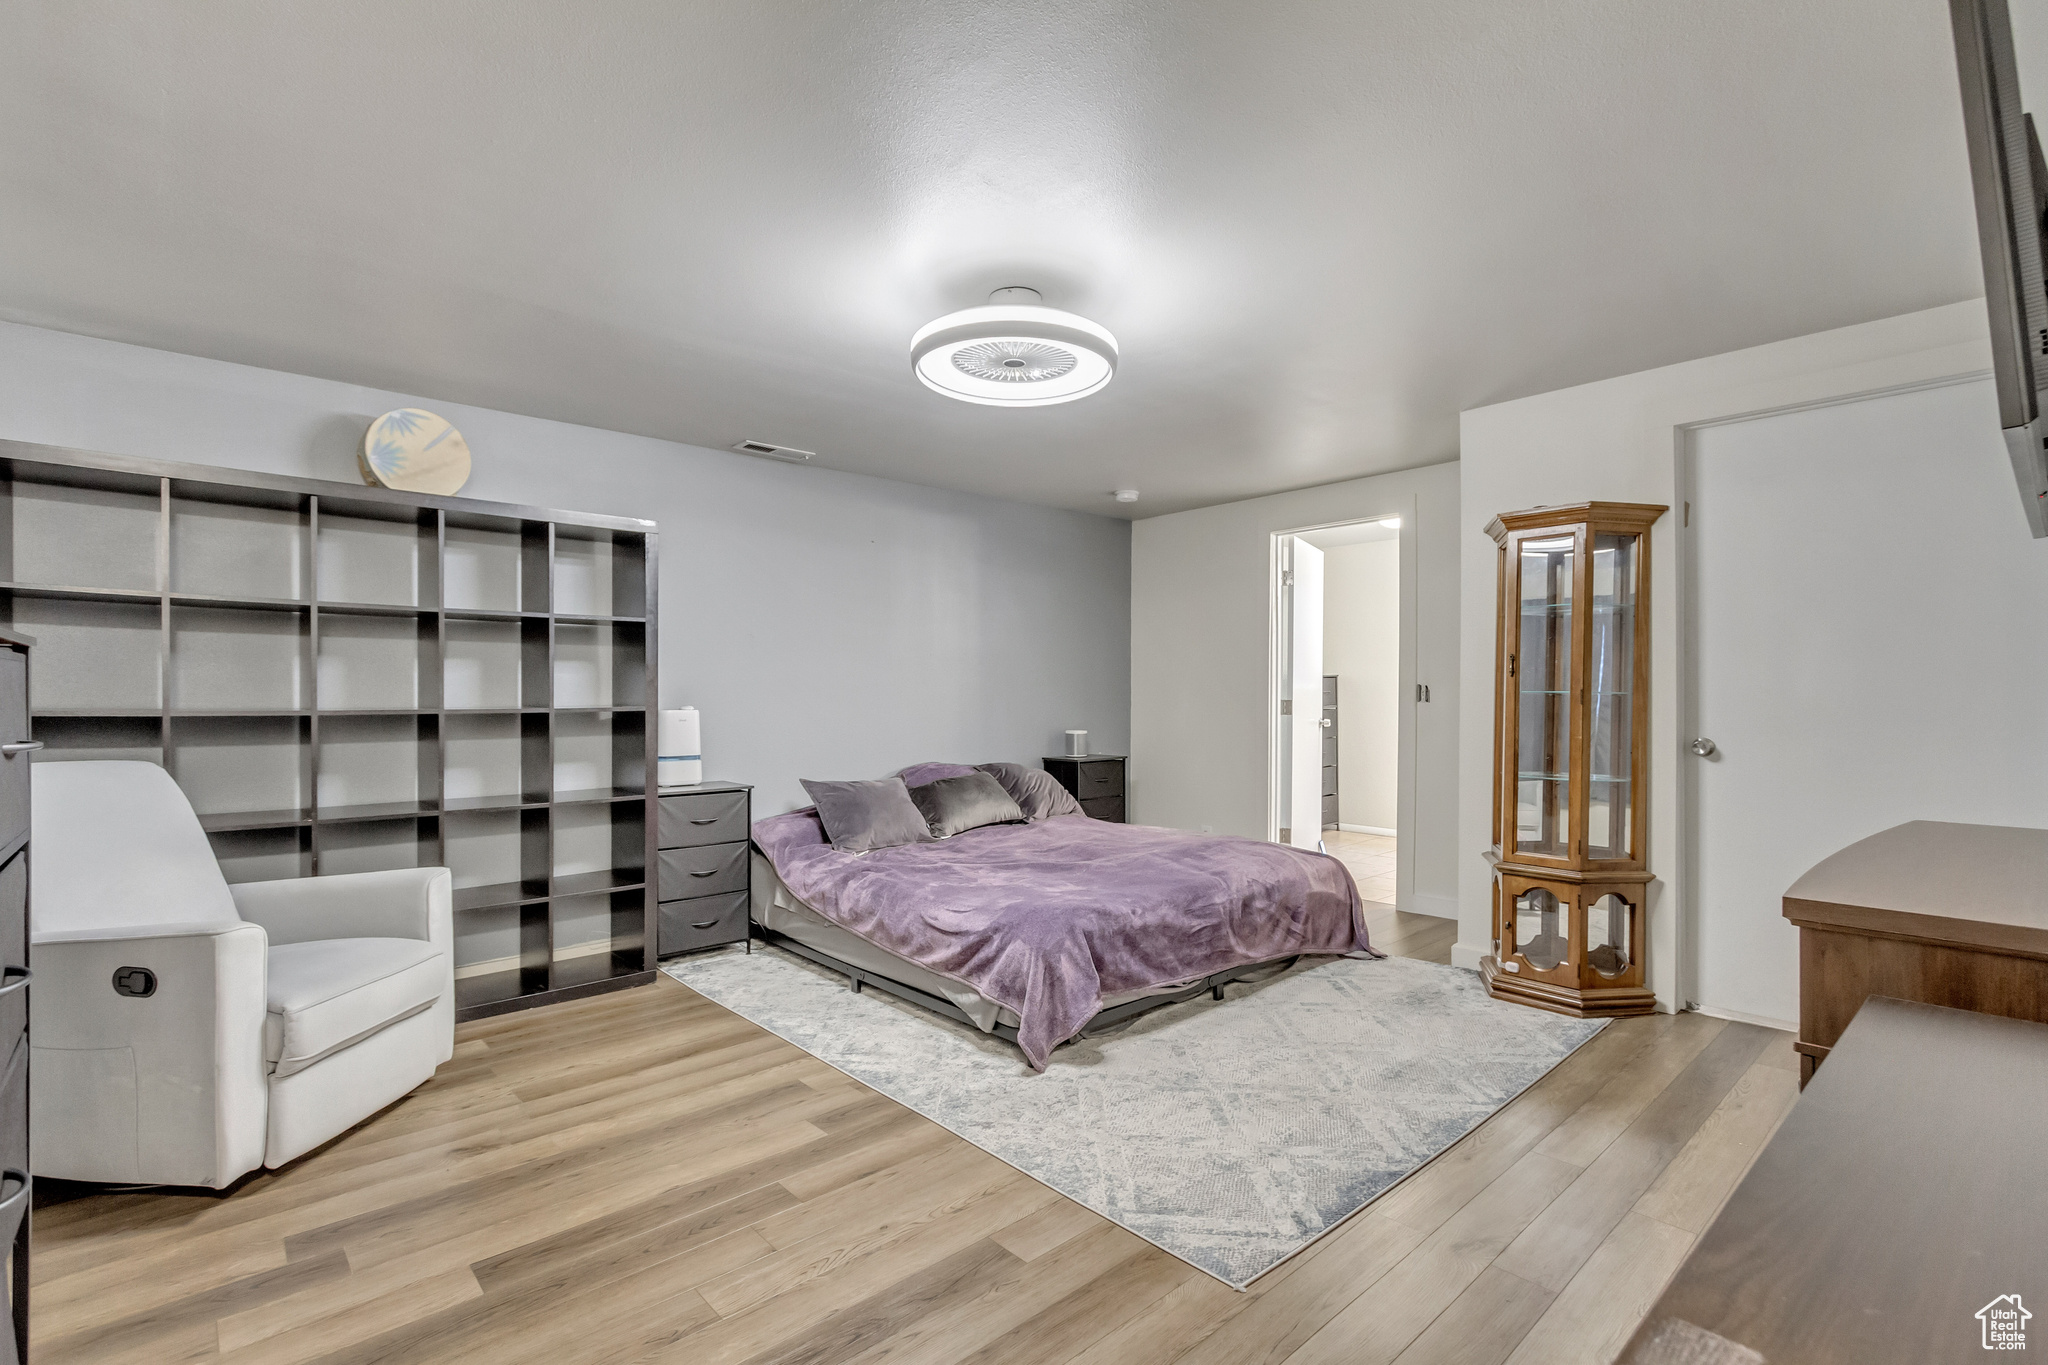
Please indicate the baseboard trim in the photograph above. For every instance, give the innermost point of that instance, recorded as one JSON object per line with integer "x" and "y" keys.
{"x": 1430, "y": 903}
{"x": 506, "y": 964}
{"x": 1738, "y": 1017}
{"x": 1468, "y": 955}
{"x": 1364, "y": 829}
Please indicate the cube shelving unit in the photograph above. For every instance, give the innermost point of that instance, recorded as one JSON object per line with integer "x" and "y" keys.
{"x": 347, "y": 679}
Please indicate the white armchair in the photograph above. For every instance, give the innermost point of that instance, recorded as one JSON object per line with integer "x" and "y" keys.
{"x": 265, "y": 1018}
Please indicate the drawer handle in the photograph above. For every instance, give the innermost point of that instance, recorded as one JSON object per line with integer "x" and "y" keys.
{"x": 712, "y": 873}
{"x": 18, "y": 982}
{"x": 26, "y": 746}
{"x": 7, "y": 1204}
{"x": 712, "y": 821}
{"x": 705, "y": 925}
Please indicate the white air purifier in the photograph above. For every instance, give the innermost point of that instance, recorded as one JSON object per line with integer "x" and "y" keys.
{"x": 680, "y": 762}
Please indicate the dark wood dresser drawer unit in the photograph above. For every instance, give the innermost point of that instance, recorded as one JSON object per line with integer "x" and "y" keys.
{"x": 704, "y": 867}
{"x": 16, "y": 749}
{"x": 1096, "y": 780}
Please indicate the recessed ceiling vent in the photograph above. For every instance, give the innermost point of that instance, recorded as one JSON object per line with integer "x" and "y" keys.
{"x": 769, "y": 452}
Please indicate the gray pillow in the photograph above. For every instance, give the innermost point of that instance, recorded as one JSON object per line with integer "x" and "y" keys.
{"x": 954, "y": 805}
{"x": 1037, "y": 792}
{"x": 859, "y": 816}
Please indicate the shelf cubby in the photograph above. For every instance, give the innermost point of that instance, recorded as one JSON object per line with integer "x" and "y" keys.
{"x": 351, "y": 679}
{"x": 498, "y": 849}
{"x": 138, "y": 738}
{"x": 239, "y": 545}
{"x": 598, "y": 574}
{"x": 480, "y": 564}
{"x": 499, "y": 894}
{"x": 242, "y": 771}
{"x": 263, "y": 855}
{"x": 495, "y": 759}
{"x": 501, "y": 956}
{"x": 376, "y": 554}
{"x": 597, "y": 937}
{"x": 82, "y": 527}
{"x": 232, "y": 659}
{"x": 598, "y": 840}
{"x": 599, "y": 665}
{"x": 93, "y": 655}
{"x": 482, "y": 667}
{"x": 599, "y": 756}
{"x": 374, "y": 760}
{"x": 377, "y": 845}
{"x": 376, "y": 662}
{"x": 583, "y": 665}
{"x": 583, "y": 752}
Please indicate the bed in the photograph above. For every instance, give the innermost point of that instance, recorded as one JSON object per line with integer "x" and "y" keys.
{"x": 1038, "y": 932}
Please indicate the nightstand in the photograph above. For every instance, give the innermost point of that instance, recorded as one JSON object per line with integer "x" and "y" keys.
{"x": 703, "y": 876}
{"x": 1096, "y": 780}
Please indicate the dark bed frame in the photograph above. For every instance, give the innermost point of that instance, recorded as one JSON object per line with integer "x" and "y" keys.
{"x": 1116, "y": 1014}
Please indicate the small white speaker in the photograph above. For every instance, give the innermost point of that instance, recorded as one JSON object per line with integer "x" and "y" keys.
{"x": 1077, "y": 744}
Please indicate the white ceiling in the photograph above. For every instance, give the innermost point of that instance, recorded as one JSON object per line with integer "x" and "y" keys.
{"x": 1318, "y": 230}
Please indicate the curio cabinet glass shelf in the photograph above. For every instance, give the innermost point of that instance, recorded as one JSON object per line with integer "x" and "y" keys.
{"x": 1570, "y": 721}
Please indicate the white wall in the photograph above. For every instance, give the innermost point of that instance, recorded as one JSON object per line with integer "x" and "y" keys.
{"x": 1865, "y": 622}
{"x": 828, "y": 624}
{"x": 1618, "y": 440}
{"x": 1361, "y": 645}
{"x": 1202, "y": 625}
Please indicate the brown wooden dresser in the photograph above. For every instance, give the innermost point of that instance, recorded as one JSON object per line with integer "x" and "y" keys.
{"x": 1948, "y": 914}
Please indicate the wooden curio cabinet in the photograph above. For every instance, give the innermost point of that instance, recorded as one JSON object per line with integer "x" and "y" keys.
{"x": 1570, "y": 721}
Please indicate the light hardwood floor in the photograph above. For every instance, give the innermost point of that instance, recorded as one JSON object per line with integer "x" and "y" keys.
{"x": 645, "y": 1177}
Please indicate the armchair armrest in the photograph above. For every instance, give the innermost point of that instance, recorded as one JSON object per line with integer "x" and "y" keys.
{"x": 409, "y": 902}
{"x": 140, "y": 933}
{"x": 167, "y": 1088}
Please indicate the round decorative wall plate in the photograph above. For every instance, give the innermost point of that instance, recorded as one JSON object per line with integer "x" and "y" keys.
{"x": 414, "y": 451}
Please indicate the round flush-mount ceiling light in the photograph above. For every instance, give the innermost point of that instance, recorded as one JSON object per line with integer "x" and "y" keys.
{"x": 1013, "y": 352}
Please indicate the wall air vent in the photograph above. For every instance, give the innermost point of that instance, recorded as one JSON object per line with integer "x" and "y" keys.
{"x": 770, "y": 452}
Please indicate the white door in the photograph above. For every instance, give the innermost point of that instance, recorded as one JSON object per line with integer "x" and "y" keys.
{"x": 1305, "y": 682}
{"x": 1870, "y": 646}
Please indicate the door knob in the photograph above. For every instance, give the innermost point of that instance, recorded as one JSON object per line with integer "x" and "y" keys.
{"x": 1704, "y": 748}
{"x": 1324, "y": 722}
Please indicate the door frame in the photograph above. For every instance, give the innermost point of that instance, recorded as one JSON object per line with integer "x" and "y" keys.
{"x": 1685, "y": 569}
{"x": 1278, "y": 602}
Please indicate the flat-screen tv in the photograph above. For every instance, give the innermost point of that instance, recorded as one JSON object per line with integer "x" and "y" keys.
{"x": 2011, "y": 184}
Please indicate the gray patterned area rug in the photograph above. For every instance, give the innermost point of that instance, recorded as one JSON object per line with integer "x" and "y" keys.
{"x": 1230, "y": 1134}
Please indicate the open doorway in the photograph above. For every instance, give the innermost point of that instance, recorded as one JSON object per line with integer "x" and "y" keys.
{"x": 1337, "y": 723}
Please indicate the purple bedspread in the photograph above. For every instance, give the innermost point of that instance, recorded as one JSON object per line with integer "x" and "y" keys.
{"x": 1048, "y": 918}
